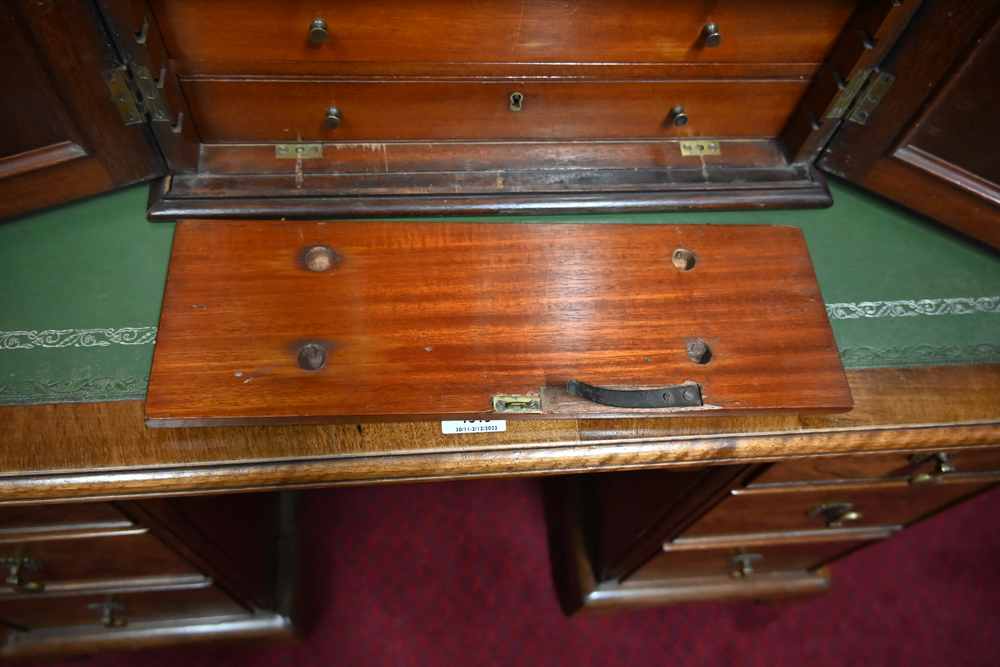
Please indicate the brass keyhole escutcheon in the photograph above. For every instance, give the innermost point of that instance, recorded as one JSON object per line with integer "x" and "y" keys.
{"x": 516, "y": 100}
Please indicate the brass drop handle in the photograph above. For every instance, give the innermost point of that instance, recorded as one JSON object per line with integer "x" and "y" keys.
{"x": 711, "y": 34}
{"x": 14, "y": 567}
{"x": 745, "y": 563}
{"x": 317, "y": 31}
{"x": 836, "y": 514}
{"x": 108, "y": 611}
{"x": 944, "y": 466}
{"x": 333, "y": 118}
{"x": 677, "y": 116}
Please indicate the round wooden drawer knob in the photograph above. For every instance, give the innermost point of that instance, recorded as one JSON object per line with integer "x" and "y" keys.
{"x": 711, "y": 34}
{"x": 317, "y": 31}
{"x": 333, "y": 118}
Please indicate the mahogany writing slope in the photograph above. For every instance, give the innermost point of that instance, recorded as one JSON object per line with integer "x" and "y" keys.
{"x": 281, "y": 322}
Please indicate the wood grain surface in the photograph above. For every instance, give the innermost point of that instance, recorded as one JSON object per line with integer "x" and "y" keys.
{"x": 496, "y": 31}
{"x": 102, "y": 450}
{"x": 945, "y": 67}
{"x": 430, "y": 320}
{"x": 251, "y": 110}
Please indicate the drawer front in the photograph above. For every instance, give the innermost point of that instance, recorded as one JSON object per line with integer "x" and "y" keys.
{"x": 742, "y": 562}
{"x": 48, "y": 611}
{"x": 20, "y": 518}
{"x": 870, "y": 466}
{"x": 778, "y": 511}
{"x": 374, "y": 111}
{"x": 198, "y": 33}
{"x": 111, "y": 557}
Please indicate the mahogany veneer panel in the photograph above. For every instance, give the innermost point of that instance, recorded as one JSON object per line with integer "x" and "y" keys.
{"x": 430, "y": 320}
{"x": 498, "y": 31}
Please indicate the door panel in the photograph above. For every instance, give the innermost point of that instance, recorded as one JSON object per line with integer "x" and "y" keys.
{"x": 931, "y": 144}
{"x": 62, "y": 136}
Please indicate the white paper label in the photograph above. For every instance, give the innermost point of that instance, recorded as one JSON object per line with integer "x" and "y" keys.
{"x": 475, "y": 426}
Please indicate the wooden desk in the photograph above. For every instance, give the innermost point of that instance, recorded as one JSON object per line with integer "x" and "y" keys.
{"x": 103, "y": 452}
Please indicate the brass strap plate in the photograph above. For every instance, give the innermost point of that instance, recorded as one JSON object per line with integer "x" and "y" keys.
{"x": 298, "y": 151}
{"x": 700, "y": 147}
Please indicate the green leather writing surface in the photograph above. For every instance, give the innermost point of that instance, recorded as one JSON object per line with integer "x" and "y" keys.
{"x": 81, "y": 285}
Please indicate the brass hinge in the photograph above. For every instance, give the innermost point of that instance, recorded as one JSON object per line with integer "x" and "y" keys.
{"x": 861, "y": 95}
{"x": 136, "y": 94}
{"x": 870, "y": 98}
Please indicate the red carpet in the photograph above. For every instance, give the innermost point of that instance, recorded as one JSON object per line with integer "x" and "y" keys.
{"x": 458, "y": 574}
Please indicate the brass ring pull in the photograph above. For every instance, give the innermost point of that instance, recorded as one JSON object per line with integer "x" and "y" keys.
{"x": 14, "y": 567}
{"x": 836, "y": 514}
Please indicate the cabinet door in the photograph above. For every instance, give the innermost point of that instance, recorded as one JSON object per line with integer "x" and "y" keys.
{"x": 62, "y": 137}
{"x": 931, "y": 143}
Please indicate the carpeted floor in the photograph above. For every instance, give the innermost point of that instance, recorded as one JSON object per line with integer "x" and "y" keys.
{"x": 458, "y": 574}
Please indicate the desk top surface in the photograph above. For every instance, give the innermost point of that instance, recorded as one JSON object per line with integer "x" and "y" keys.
{"x": 80, "y": 305}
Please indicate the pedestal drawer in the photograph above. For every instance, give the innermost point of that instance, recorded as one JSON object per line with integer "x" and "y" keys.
{"x": 117, "y": 610}
{"x": 36, "y": 566}
{"x": 917, "y": 467}
{"x": 29, "y": 518}
{"x": 247, "y": 110}
{"x": 850, "y": 506}
{"x": 252, "y": 32}
{"x": 740, "y": 562}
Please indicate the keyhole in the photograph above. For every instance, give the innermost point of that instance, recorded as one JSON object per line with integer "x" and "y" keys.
{"x": 515, "y": 101}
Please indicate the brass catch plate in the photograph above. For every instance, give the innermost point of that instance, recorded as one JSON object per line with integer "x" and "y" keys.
{"x": 295, "y": 151}
{"x": 691, "y": 148}
{"x": 517, "y": 404}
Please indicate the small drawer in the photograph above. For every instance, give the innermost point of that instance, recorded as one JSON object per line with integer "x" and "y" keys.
{"x": 916, "y": 467}
{"x": 31, "y": 567}
{"x": 201, "y": 35}
{"x": 684, "y": 561}
{"x": 21, "y": 518}
{"x": 118, "y": 610}
{"x": 242, "y": 110}
{"x": 846, "y": 506}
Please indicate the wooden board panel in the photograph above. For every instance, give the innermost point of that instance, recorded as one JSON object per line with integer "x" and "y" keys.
{"x": 497, "y": 31}
{"x": 253, "y": 110}
{"x": 430, "y": 320}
